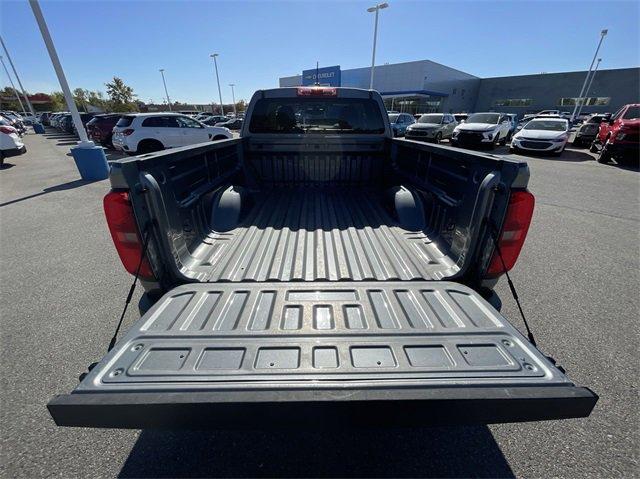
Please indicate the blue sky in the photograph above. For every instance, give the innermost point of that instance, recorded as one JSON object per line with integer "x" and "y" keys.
{"x": 260, "y": 41}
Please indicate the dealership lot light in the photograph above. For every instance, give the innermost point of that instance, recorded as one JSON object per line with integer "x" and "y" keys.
{"x": 603, "y": 34}
{"x": 165, "y": 88}
{"x": 215, "y": 63}
{"x": 376, "y": 9}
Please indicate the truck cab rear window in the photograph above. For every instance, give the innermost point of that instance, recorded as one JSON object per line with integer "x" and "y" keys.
{"x": 321, "y": 115}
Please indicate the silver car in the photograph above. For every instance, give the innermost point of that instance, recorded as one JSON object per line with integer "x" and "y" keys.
{"x": 432, "y": 127}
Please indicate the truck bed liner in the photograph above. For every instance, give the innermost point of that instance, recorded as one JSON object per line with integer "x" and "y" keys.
{"x": 307, "y": 235}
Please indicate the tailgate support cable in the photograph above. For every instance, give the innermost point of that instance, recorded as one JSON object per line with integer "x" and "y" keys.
{"x": 146, "y": 235}
{"x": 494, "y": 236}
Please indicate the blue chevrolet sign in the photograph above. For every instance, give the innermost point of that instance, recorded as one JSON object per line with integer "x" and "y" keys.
{"x": 327, "y": 76}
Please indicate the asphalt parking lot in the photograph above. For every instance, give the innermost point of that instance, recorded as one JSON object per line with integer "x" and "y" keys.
{"x": 63, "y": 288}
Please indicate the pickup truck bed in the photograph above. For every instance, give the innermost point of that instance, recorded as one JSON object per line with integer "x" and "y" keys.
{"x": 292, "y": 234}
{"x": 318, "y": 279}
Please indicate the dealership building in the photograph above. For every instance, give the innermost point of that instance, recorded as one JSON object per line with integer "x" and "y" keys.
{"x": 424, "y": 86}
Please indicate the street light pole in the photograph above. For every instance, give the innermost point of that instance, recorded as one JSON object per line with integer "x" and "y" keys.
{"x": 90, "y": 159}
{"x": 233, "y": 97}
{"x": 12, "y": 85}
{"x": 165, "y": 89}
{"x": 603, "y": 34}
{"x": 57, "y": 66}
{"x": 376, "y": 9}
{"x": 24, "y": 93}
{"x": 215, "y": 63}
{"x": 586, "y": 92}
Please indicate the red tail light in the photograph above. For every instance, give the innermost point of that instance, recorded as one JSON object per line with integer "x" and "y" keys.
{"x": 124, "y": 231}
{"x": 128, "y": 131}
{"x": 514, "y": 232}
{"x": 7, "y": 129}
{"x": 317, "y": 91}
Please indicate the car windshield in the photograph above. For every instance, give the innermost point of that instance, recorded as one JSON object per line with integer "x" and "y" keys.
{"x": 316, "y": 115}
{"x": 546, "y": 125}
{"x": 435, "y": 119}
{"x": 393, "y": 118}
{"x": 484, "y": 118}
{"x": 633, "y": 112}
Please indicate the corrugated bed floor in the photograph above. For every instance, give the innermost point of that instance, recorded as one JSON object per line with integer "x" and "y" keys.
{"x": 318, "y": 235}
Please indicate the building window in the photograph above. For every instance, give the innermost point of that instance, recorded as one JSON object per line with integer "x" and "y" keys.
{"x": 514, "y": 102}
{"x": 455, "y": 90}
{"x": 592, "y": 101}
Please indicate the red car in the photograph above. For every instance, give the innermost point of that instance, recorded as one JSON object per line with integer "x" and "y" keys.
{"x": 618, "y": 138}
{"x": 100, "y": 128}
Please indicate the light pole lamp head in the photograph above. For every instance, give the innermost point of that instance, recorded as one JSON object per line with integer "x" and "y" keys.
{"x": 161, "y": 70}
{"x": 213, "y": 55}
{"x": 379, "y": 6}
{"x": 604, "y": 32}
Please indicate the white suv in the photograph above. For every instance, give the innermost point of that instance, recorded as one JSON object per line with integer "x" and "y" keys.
{"x": 147, "y": 132}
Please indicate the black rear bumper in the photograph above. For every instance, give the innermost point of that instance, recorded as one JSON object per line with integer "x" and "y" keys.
{"x": 321, "y": 408}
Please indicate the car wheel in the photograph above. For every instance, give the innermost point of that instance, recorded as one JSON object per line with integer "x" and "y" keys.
{"x": 604, "y": 156}
{"x": 438, "y": 138}
{"x": 503, "y": 141}
{"x": 594, "y": 147}
{"x": 1, "y": 158}
{"x": 149, "y": 146}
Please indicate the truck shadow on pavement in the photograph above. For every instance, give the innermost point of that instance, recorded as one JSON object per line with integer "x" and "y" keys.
{"x": 469, "y": 451}
{"x": 62, "y": 187}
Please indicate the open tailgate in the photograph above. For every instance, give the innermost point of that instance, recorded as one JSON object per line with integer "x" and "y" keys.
{"x": 253, "y": 355}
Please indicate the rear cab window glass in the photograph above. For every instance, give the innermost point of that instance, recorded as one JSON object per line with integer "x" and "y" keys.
{"x": 310, "y": 115}
{"x": 125, "y": 121}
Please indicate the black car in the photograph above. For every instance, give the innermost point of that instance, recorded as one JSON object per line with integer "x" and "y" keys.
{"x": 587, "y": 132}
{"x": 234, "y": 124}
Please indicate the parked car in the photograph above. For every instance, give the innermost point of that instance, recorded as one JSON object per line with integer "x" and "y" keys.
{"x": 461, "y": 117}
{"x": 548, "y": 135}
{"x": 618, "y": 138}
{"x": 309, "y": 286}
{"x": 213, "y": 120}
{"x": 513, "y": 118}
{"x": 234, "y": 124}
{"x": 10, "y": 142}
{"x": 44, "y": 118}
{"x": 432, "y": 127}
{"x": 28, "y": 118}
{"x": 588, "y": 130}
{"x": 84, "y": 118}
{"x": 100, "y": 128}
{"x": 483, "y": 129}
{"x": 66, "y": 124}
{"x": 400, "y": 122}
{"x": 147, "y": 132}
{"x": 14, "y": 121}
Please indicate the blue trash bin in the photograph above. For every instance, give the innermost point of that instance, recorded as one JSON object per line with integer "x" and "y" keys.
{"x": 91, "y": 162}
{"x": 38, "y": 128}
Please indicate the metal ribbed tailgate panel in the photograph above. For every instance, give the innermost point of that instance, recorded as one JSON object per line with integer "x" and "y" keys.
{"x": 321, "y": 355}
{"x": 308, "y": 235}
{"x": 209, "y": 336}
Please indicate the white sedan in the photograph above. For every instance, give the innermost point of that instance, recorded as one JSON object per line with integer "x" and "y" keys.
{"x": 548, "y": 135}
{"x": 10, "y": 142}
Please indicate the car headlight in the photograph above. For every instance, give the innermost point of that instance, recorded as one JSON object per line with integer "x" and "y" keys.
{"x": 489, "y": 134}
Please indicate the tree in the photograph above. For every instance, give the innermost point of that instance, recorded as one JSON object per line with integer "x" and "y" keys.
{"x": 81, "y": 97}
{"x": 120, "y": 95}
{"x": 96, "y": 98}
{"x": 8, "y": 99}
{"x": 57, "y": 101}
